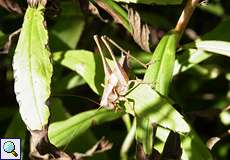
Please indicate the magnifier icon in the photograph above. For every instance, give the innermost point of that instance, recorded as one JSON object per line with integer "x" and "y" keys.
{"x": 9, "y": 147}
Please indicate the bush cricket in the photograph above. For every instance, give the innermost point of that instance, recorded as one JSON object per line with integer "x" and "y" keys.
{"x": 117, "y": 80}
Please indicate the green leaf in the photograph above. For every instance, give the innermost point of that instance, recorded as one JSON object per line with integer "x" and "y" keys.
{"x": 69, "y": 26}
{"x": 225, "y": 117}
{"x": 33, "y": 70}
{"x": 86, "y": 64}
{"x": 144, "y": 133}
{"x": 158, "y": 2}
{"x": 219, "y": 32}
{"x": 159, "y": 73}
{"x": 188, "y": 59}
{"x": 57, "y": 110}
{"x": 3, "y": 38}
{"x": 68, "y": 82}
{"x": 219, "y": 47}
{"x": 16, "y": 128}
{"x": 143, "y": 101}
{"x": 194, "y": 148}
{"x": 149, "y": 108}
{"x": 216, "y": 9}
{"x": 191, "y": 57}
{"x": 118, "y": 13}
{"x": 61, "y": 133}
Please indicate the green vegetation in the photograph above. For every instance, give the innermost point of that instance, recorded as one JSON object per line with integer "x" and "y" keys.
{"x": 174, "y": 104}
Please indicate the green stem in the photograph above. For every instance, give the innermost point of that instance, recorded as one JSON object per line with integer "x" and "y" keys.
{"x": 128, "y": 142}
{"x": 127, "y": 121}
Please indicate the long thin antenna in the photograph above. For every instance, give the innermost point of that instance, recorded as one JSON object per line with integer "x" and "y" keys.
{"x": 125, "y": 52}
{"x": 82, "y": 97}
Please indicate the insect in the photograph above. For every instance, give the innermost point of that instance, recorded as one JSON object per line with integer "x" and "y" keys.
{"x": 117, "y": 80}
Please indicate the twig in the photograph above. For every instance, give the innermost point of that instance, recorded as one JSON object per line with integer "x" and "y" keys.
{"x": 186, "y": 15}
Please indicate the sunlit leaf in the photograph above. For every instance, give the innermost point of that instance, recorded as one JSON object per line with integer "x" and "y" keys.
{"x": 188, "y": 59}
{"x": 33, "y": 70}
{"x": 150, "y": 108}
{"x": 158, "y": 109}
{"x": 159, "y": 73}
{"x": 225, "y": 117}
{"x": 219, "y": 47}
{"x": 62, "y": 132}
{"x": 86, "y": 64}
{"x": 192, "y": 56}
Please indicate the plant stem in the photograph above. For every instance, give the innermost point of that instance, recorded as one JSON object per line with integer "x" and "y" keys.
{"x": 128, "y": 142}
{"x": 127, "y": 121}
{"x": 185, "y": 16}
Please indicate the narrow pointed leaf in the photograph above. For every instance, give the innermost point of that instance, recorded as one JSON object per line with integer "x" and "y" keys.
{"x": 219, "y": 47}
{"x": 33, "y": 70}
{"x": 61, "y": 133}
{"x": 191, "y": 56}
{"x": 159, "y": 73}
{"x": 144, "y": 134}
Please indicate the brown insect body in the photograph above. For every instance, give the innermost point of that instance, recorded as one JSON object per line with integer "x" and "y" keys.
{"x": 117, "y": 79}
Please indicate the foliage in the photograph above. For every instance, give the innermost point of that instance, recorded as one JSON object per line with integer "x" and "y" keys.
{"x": 174, "y": 105}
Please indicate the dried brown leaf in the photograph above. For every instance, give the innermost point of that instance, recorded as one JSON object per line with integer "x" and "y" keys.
{"x": 101, "y": 146}
{"x": 140, "y": 31}
{"x": 214, "y": 140}
{"x": 36, "y": 2}
{"x": 11, "y": 6}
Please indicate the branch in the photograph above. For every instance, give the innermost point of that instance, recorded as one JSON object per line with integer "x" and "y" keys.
{"x": 186, "y": 15}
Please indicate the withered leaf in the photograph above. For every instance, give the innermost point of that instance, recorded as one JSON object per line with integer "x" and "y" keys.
{"x": 140, "y": 31}
{"x": 101, "y": 146}
{"x": 11, "y": 6}
{"x": 36, "y": 2}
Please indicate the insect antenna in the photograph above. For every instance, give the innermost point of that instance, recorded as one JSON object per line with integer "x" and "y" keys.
{"x": 124, "y": 51}
{"x": 77, "y": 96}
